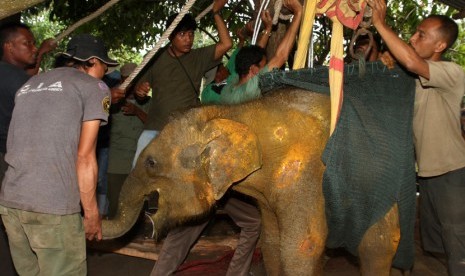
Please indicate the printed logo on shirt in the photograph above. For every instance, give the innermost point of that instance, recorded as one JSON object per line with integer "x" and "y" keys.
{"x": 103, "y": 86}
{"x": 106, "y": 104}
{"x": 54, "y": 87}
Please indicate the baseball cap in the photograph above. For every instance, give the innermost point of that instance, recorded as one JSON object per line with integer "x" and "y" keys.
{"x": 85, "y": 46}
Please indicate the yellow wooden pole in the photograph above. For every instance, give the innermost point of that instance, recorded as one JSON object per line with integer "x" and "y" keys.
{"x": 306, "y": 27}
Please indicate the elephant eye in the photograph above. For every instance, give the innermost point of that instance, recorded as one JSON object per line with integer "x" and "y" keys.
{"x": 150, "y": 163}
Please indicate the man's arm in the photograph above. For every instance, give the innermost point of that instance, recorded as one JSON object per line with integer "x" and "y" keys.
{"x": 402, "y": 52}
{"x": 286, "y": 44}
{"x": 268, "y": 24}
{"x": 225, "y": 42}
{"x": 131, "y": 109}
{"x": 47, "y": 46}
{"x": 86, "y": 167}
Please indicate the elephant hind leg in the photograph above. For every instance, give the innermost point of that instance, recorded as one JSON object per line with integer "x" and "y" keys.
{"x": 379, "y": 244}
{"x": 269, "y": 241}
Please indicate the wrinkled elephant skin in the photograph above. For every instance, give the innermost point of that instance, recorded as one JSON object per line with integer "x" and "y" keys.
{"x": 269, "y": 149}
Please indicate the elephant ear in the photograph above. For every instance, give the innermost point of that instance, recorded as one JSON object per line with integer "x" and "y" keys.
{"x": 231, "y": 153}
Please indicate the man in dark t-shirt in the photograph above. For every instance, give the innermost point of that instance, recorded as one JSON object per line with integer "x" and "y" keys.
{"x": 52, "y": 165}
{"x": 17, "y": 53}
{"x": 175, "y": 75}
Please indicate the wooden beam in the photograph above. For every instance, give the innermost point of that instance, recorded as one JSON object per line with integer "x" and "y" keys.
{"x": 10, "y": 7}
{"x": 149, "y": 249}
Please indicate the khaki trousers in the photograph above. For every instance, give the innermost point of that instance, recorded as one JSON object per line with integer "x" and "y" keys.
{"x": 45, "y": 244}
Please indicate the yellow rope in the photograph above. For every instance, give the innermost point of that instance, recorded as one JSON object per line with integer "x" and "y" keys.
{"x": 336, "y": 68}
{"x": 306, "y": 26}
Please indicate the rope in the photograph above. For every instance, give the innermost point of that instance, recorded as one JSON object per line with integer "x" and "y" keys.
{"x": 258, "y": 21}
{"x": 306, "y": 28}
{"x": 158, "y": 45}
{"x": 205, "y": 12}
{"x": 86, "y": 19}
{"x": 277, "y": 9}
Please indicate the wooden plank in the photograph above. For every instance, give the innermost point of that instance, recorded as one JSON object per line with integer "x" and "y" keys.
{"x": 149, "y": 249}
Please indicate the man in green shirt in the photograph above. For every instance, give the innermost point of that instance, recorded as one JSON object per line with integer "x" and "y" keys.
{"x": 251, "y": 61}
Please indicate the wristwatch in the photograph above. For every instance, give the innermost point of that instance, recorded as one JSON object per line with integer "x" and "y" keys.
{"x": 266, "y": 32}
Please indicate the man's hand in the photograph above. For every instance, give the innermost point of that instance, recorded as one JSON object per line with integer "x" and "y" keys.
{"x": 218, "y": 5}
{"x": 142, "y": 89}
{"x": 379, "y": 11}
{"x": 267, "y": 20}
{"x": 387, "y": 59}
{"x": 47, "y": 45}
{"x": 129, "y": 109}
{"x": 293, "y": 5}
{"x": 93, "y": 226}
{"x": 116, "y": 95}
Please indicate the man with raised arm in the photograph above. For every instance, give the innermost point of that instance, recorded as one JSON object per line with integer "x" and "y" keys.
{"x": 177, "y": 72}
{"x": 439, "y": 146}
{"x": 251, "y": 61}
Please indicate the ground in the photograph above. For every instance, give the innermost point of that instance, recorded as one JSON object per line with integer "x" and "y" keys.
{"x": 214, "y": 250}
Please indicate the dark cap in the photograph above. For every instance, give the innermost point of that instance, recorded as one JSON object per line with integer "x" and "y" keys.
{"x": 85, "y": 46}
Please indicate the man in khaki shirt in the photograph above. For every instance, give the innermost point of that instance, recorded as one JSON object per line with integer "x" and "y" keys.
{"x": 439, "y": 146}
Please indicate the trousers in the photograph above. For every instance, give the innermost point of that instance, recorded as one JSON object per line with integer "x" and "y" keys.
{"x": 45, "y": 244}
{"x": 442, "y": 217}
{"x": 6, "y": 263}
{"x": 179, "y": 241}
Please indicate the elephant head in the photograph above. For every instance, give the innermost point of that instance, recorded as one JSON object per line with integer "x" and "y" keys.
{"x": 195, "y": 158}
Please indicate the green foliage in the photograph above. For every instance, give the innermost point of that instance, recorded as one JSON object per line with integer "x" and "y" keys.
{"x": 44, "y": 28}
{"x": 404, "y": 16}
{"x": 136, "y": 23}
{"x": 132, "y": 26}
{"x": 457, "y": 51}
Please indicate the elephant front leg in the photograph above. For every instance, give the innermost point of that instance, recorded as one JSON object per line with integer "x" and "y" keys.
{"x": 379, "y": 244}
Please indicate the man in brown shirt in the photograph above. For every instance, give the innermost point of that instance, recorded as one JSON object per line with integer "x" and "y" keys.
{"x": 439, "y": 147}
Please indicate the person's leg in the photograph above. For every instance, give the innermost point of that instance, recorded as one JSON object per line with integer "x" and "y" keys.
{"x": 25, "y": 261}
{"x": 6, "y": 263}
{"x": 447, "y": 193}
{"x": 115, "y": 183}
{"x": 175, "y": 249}
{"x": 102, "y": 183}
{"x": 58, "y": 242}
{"x": 247, "y": 217}
{"x": 430, "y": 228}
{"x": 144, "y": 139}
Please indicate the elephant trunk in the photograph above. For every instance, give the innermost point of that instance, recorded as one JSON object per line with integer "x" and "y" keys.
{"x": 130, "y": 204}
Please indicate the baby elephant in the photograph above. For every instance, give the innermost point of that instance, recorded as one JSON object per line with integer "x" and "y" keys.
{"x": 269, "y": 149}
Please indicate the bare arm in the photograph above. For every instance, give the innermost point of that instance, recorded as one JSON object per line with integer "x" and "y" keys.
{"x": 47, "y": 45}
{"x": 117, "y": 94}
{"x": 130, "y": 109}
{"x": 225, "y": 42}
{"x": 286, "y": 44}
{"x": 142, "y": 90}
{"x": 268, "y": 23}
{"x": 402, "y": 52}
{"x": 86, "y": 167}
